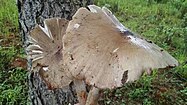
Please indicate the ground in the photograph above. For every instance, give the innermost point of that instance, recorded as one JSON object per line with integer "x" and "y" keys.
{"x": 162, "y": 21}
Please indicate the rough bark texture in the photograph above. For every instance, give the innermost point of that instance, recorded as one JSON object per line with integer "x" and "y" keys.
{"x": 32, "y": 12}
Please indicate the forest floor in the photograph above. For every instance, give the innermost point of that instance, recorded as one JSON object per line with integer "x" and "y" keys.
{"x": 162, "y": 21}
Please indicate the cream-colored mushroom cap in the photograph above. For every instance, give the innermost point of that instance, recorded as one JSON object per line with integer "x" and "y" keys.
{"x": 104, "y": 53}
{"x": 45, "y": 51}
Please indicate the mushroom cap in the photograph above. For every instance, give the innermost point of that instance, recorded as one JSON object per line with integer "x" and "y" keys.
{"x": 45, "y": 51}
{"x": 94, "y": 47}
{"x": 104, "y": 53}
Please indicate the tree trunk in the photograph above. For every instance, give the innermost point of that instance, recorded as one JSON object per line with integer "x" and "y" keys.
{"x": 32, "y": 12}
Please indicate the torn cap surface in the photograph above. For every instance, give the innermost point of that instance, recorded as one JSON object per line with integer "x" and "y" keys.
{"x": 45, "y": 52}
{"x": 105, "y": 55}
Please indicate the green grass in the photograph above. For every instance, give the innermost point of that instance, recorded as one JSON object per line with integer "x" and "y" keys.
{"x": 162, "y": 21}
{"x": 13, "y": 85}
{"x": 8, "y": 16}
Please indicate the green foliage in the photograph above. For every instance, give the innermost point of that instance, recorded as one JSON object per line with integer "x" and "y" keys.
{"x": 13, "y": 85}
{"x": 8, "y": 16}
{"x": 13, "y": 88}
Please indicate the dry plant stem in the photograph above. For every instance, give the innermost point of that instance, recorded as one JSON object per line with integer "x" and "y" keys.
{"x": 93, "y": 96}
{"x": 80, "y": 87}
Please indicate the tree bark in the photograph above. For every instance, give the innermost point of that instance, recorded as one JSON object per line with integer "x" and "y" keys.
{"x": 32, "y": 12}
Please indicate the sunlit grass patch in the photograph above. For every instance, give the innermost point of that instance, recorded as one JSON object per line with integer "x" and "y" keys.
{"x": 8, "y": 16}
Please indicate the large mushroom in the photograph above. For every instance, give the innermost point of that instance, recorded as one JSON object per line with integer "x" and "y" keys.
{"x": 94, "y": 49}
{"x": 45, "y": 51}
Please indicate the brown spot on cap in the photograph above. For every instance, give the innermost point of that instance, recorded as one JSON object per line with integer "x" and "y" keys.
{"x": 125, "y": 76}
{"x": 71, "y": 56}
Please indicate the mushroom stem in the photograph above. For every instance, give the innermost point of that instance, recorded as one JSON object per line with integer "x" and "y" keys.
{"x": 80, "y": 87}
{"x": 93, "y": 96}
